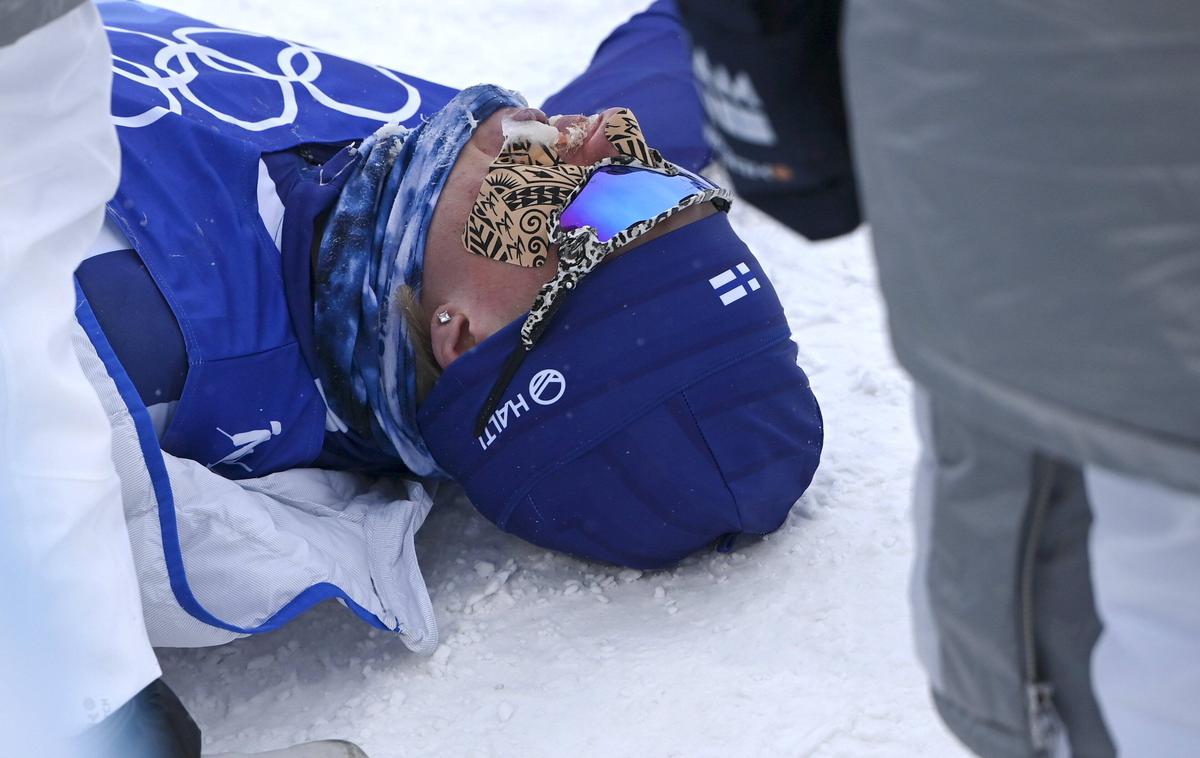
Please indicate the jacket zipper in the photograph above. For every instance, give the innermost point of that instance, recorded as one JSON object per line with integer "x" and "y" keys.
{"x": 1043, "y": 720}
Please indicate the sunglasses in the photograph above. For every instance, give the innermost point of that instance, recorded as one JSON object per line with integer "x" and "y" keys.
{"x": 619, "y": 200}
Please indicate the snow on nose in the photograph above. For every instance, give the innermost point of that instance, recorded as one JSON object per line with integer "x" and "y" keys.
{"x": 573, "y": 130}
{"x": 528, "y": 124}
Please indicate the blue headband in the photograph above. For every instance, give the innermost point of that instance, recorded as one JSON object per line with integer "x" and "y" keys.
{"x": 374, "y": 244}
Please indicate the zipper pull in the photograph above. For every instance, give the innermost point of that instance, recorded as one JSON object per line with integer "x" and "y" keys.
{"x": 1044, "y": 723}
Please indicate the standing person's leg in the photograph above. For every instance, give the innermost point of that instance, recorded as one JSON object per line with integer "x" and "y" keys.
{"x": 61, "y": 496}
{"x": 1145, "y": 551}
{"x": 1001, "y": 591}
{"x": 969, "y": 505}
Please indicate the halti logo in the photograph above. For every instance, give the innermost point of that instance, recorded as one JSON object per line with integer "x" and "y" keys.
{"x": 545, "y": 388}
{"x": 740, "y": 274}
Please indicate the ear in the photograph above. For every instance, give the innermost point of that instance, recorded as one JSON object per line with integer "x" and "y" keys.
{"x": 451, "y": 339}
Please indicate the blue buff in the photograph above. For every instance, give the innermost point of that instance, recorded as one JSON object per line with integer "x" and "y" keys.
{"x": 373, "y": 246}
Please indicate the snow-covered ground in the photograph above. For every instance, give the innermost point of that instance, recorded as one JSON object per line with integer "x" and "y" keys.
{"x": 795, "y": 646}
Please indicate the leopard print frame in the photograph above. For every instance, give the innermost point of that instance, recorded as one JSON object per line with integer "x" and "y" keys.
{"x": 580, "y": 250}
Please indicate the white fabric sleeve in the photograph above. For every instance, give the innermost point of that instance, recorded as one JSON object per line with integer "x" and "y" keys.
{"x": 60, "y": 494}
{"x": 217, "y": 558}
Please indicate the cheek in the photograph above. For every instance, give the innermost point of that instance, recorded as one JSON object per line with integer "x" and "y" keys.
{"x": 506, "y": 291}
{"x": 524, "y": 283}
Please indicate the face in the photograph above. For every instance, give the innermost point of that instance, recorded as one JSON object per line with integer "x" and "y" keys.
{"x": 480, "y": 295}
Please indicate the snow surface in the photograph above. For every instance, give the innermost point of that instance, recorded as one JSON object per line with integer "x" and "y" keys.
{"x": 795, "y": 646}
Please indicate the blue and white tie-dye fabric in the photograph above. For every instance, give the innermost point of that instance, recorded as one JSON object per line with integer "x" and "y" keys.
{"x": 373, "y": 245}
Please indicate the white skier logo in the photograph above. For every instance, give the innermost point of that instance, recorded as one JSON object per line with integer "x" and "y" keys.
{"x": 740, "y": 274}
{"x": 547, "y": 386}
{"x": 244, "y": 444}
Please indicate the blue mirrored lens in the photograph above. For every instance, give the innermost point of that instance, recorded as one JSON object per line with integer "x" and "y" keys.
{"x": 617, "y": 197}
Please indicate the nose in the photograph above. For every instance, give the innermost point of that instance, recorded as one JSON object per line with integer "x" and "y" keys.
{"x": 529, "y": 114}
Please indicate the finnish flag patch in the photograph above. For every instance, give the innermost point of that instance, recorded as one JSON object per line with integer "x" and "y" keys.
{"x": 733, "y": 284}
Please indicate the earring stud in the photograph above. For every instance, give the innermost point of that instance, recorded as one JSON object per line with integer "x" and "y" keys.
{"x": 443, "y": 318}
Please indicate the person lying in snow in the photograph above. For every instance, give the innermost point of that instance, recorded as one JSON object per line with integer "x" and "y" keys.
{"x": 325, "y": 285}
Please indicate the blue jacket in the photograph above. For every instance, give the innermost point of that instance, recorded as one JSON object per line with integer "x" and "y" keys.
{"x": 231, "y": 146}
{"x": 219, "y": 198}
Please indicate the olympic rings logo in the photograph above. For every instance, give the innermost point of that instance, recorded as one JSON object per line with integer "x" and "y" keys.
{"x": 174, "y": 71}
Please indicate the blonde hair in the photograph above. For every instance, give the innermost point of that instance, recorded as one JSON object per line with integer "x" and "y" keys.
{"x": 427, "y": 369}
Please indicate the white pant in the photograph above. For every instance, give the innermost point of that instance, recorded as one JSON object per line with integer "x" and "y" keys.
{"x": 1145, "y": 557}
{"x": 65, "y": 538}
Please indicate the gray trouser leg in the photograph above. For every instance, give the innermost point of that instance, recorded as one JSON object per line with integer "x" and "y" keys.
{"x": 980, "y": 637}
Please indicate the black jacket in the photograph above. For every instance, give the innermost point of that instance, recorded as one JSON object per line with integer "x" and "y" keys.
{"x": 770, "y": 81}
